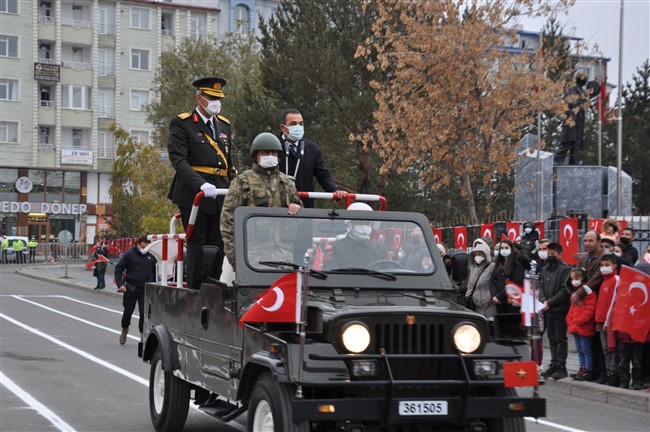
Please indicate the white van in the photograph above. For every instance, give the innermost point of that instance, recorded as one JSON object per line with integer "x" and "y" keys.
{"x": 11, "y": 253}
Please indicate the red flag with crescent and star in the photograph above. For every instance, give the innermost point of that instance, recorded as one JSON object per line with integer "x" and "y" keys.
{"x": 487, "y": 230}
{"x": 460, "y": 237}
{"x": 631, "y": 312}
{"x": 280, "y": 303}
{"x": 568, "y": 239}
{"x": 437, "y": 234}
{"x": 513, "y": 230}
{"x": 539, "y": 226}
{"x": 100, "y": 258}
{"x": 596, "y": 224}
{"x": 397, "y": 239}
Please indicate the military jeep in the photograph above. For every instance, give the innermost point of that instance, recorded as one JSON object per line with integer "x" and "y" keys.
{"x": 379, "y": 346}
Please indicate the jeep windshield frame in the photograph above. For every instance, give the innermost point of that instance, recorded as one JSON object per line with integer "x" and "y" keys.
{"x": 271, "y": 234}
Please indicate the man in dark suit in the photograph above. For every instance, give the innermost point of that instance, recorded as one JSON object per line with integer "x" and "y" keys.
{"x": 302, "y": 159}
{"x": 200, "y": 151}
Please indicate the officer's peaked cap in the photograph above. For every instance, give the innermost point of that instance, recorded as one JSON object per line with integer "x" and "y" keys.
{"x": 211, "y": 86}
{"x": 265, "y": 141}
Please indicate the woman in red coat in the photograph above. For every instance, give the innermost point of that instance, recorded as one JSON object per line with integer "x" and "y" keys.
{"x": 580, "y": 323}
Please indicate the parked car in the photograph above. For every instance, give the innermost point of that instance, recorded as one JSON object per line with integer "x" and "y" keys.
{"x": 11, "y": 253}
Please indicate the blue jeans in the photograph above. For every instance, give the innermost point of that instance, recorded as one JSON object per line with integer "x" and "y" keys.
{"x": 583, "y": 346}
{"x": 101, "y": 279}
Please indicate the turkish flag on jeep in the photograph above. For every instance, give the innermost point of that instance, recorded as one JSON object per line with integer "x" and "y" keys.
{"x": 280, "y": 303}
{"x": 520, "y": 374}
{"x": 568, "y": 239}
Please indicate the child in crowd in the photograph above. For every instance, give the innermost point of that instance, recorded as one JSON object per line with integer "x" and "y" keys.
{"x": 605, "y": 298}
{"x": 580, "y": 323}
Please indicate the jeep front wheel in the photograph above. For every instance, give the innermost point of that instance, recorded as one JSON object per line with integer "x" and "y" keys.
{"x": 169, "y": 397}
{"x": 269, "y": 409}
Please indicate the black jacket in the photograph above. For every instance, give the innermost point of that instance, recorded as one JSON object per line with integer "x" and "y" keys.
{"x": 552, "y": 288}
{"x": 139, "y": 268}
{"x": 498, "y": 280}
{"x": 188, "y": 146}
{"x": 311, "y": 165}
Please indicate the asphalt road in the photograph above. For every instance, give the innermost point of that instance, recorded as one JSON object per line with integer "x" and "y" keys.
{"x": 61, "y": 368}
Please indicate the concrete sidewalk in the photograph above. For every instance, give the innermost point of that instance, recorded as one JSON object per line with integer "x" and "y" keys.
{"x": 79, "y": 277}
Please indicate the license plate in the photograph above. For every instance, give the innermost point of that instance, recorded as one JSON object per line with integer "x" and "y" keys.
{"x": 422, "y": 408}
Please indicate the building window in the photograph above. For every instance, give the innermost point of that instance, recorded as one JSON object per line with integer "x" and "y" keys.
{"x": 105, "y": 145}
{"x": 139, "y": 18}
{"x": 54, "y": 186}
{"x": 138, "y": 99}
{"x": 9, "y": 6}
{"x": 76, "y": 97}
{"x": 8, "y": 89}
{"x": 167, "y": 24}
{"x": 46, "y": 92}
{"x": 37, "y": 194}
{"x": 8, "y": 46}
{"x": 9, "y": 132}
{"x": 106, "y": 102}
{"x": 197, "y": 30}
{"x": 77, "y": 138}
{"x": 106, "y": 61}
{"x": 107, "y": 19}
{"x": 45, "y": 53}
{"x": 139, "y": 59}
{"x": 45, "y": 139}
{"x": 140, "y": 136}
{"x": 242, "y": 20}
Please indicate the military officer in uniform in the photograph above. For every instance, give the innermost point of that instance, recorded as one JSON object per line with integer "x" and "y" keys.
{"x": 200, "y": 150}
{"x": 261, "y": 186}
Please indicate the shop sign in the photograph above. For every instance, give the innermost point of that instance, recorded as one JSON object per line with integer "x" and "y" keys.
{"x": 24, "y": 185}
{"x": 77, "y": 157}
{"x": 47, "y": 72}
{"x": 51, "y": 208}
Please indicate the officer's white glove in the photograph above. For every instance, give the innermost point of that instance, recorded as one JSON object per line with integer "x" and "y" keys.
{"x": 209, "y": 190}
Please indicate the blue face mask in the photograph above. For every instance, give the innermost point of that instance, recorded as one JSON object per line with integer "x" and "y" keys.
{"x": 296, "y": 132}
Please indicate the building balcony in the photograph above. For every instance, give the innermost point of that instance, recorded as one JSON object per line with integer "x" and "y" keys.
{"x": 76, "y": 76}
{"x": 76, "y": 32}
{"x": 46, "y": 28}
{"x": 47, "y": 104}
{"x": 47, "y": 115}
{"x": 46, "y": 147}
{"x": 167, "y": 33}
{"x": 106, "y": 153}
{"x": 76, "y": 118}
{"x": 108, "y": 112}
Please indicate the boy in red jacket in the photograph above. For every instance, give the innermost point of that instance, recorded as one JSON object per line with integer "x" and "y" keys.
{"x": 580, "y": 323}
{"x": 605, "y": 301}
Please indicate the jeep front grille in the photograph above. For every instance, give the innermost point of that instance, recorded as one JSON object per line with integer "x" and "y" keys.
{"x": 409, "y": 339}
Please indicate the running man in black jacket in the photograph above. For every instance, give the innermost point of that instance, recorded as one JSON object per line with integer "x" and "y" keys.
{"x": 132, "y": 272}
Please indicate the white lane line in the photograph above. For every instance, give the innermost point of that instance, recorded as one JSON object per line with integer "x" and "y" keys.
{"x": 553, "y": 425}
{"x": 39, "y": 407}
{"x": 97, "y": 360}
{"x": 136, "y": 338}
{"x": 97, "y": 306}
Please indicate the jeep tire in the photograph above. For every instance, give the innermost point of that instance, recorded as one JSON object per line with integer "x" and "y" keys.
{"x": 169, "y": 397}
{"x": 269, "y": 409}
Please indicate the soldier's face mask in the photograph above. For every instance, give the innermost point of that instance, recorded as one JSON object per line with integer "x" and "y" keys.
{"x": 212, "y": 107}
{"x": 268, "y": 161}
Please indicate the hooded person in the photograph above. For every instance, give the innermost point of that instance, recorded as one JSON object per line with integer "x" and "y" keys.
{"x": 529, "y": 241}
{"x": 478, "y": 296}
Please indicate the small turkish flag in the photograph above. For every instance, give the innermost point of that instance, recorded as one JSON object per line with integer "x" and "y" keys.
{"x": 487, "y": 230}
{"x": 596, "y": 224}
{"x": 319, "y": 257}
{"x": 520, "y": 374}
{"x": 568, "y": 239}
{"x": 437, "y": 234}
{"x": 397, "y": 239}
{"x": 539, "y": 226}
{"x": 460, "y": 236}
{"x": 280, "y": 303}
{"x": 513, "y": 229}
{"x": 631, "y": 308}
{"x": 100, "y": 258}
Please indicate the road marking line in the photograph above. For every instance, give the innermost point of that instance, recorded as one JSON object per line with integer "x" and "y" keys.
{"x": 93, "y": 358}
{"x": 137, "y": 338}
{"x": 39, "y": 407}
{"x": 96, "y": 306}
{"x": 553, "y": 425}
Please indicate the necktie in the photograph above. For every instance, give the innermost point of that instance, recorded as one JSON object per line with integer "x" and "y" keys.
{"x": 212, "y": 128}
{"x": 293, "y": 149}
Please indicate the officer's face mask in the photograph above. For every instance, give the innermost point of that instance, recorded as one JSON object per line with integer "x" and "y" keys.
{"x": 143, "y": 251}
{"x": 362, "y": 231}
{"x": 269, "y": 161}
{"x": 296, "y": 132}
{"x": 213, "y": 107}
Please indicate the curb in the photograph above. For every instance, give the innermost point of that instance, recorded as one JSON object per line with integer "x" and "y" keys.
{"x": 69, "y": 282}
{"x": 633, "y": 399}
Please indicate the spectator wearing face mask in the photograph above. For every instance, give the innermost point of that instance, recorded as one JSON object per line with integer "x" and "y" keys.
{"x": 529, "y": 241}
{"x": 606, "y": 295}
{"x": 542, "y": 253}
{"x": 508, "y": 266}
{"x": 302, "y": 159}
{"x": 555, "y": 298}
{"x": 132, "y": 272}
{"x": 627, "y": 238}
{"x": 609, "y": 248}
{"x": 478, "y": 296}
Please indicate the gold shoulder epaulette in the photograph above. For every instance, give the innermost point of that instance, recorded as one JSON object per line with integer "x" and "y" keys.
{"x": 184, "y": 115}
{"x": 223, "y": 119}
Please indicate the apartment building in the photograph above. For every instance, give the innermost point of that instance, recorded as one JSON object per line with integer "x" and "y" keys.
{"x": 68, "y": 70}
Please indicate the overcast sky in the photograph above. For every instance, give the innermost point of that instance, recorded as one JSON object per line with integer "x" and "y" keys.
{"x": 598, "y": 22}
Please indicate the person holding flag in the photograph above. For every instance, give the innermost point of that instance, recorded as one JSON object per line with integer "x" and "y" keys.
{"x": 606, "y": 297}
{"x": 508, "y": 266}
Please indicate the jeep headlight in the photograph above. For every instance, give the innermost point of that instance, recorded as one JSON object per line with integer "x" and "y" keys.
{"x": 467, "y": 338}
{"x": 355, "y": 337}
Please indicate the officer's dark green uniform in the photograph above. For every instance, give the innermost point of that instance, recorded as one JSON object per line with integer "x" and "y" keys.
{"x": 257, "y": 187}
{"x": 200, "y": 155}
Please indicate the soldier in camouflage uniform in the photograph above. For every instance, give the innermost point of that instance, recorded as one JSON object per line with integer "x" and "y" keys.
{"x": 262, "y": 186}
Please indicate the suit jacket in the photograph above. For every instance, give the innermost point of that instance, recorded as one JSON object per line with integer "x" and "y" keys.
{"x": 188, "y": 146}
{"x": 311, "y": 165}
